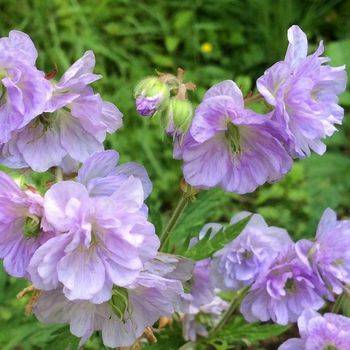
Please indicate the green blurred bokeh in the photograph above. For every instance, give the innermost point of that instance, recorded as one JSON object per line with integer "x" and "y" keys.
{"x": 212, "y": 40}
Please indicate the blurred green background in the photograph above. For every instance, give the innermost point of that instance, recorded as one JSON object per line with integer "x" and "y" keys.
{"x": 212, "y": 40}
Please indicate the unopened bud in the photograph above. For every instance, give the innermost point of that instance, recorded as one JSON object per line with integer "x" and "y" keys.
{"x": 180, "y": 114}
{"x": 151, "y": 95}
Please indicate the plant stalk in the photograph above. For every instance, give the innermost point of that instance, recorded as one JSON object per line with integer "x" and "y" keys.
{"x": 253, "y": 98}
{"x": 180, "y": 207}
{"x": 338, "y": 303}
{"x": 235, "y": 302}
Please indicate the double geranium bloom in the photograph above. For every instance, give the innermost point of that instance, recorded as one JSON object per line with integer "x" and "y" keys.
{"x": 332, "y": 266}
{"x": 327, "y": 332}
{"x": 103, "y": 235}
{"x": 283, "y": 291}
{"x": 231, "y": 146}
{"x": 121, "y": 321}
{"x": 240, "y": 262}
{"x": 70, "y": 127}
{"x": 304, "y": 92}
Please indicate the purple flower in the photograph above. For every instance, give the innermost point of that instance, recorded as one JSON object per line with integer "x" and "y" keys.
{"x": 327, "y": 332}
{"x": 201, "y": 301}
{"x": 230, "y": 146}
{"x": 304, "y": 93}
{"x": 331, "y": 265}
{"x": 123, "y": 319}
{"x": 73, "y": 125}
{"x": 24, "y": 90}
{"x": 282, "y": 292}
{"x": 104, "y": 235}
{"x": 241, "y": 261}
{"x": 22, "y": 228}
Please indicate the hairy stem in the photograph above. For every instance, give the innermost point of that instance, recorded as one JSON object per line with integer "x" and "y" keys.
{"x": 253, "y": 98}
{"x": 180, "y": 207}
{"x": 235, "y": 302}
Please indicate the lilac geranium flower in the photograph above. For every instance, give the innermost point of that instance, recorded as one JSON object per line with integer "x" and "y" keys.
{"x": 73, "y": 125}
{"x": 202, "y": 300}
{"x": 304, "y": 92}
{"x": 22, "y": 226}
{"x": 105, "y": 237}
{"x": 327, "y": 332}
{"x": 230, "y": 146}
{"x": 239, "y": 263}
{"x": 24, "y": 90}
{"x": 121, "y": 320}
{"x": 331, "y": 265}
{"x": 283, "y": 291}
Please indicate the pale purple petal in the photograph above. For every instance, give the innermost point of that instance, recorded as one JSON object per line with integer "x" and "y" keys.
{"x": 297, "y": 49}
{"x": 99, "y": 165}
{"x": 59, "y": 203}
{"x": 80, "y": 73}
{"x": 226, "y": 88}
{"x": 82, "y": 273}
{"x": 20, "y": 46}
{"x": 111, "y": 117}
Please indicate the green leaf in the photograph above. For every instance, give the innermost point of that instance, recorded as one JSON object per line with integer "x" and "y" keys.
{"x": 339, "y": 52}
{"x": 207, "y": 247}
{"x": 171, "y": 43}
{"x": 183, "y": 19}
{"x": 206, "y": 208}
{"x": 162, "y": 61}
{"x": 238, "y": 332}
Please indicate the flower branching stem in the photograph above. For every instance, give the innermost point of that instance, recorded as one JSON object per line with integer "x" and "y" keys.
{"x": 180, "y": 207}
{"x": 235, "y": 302}
{"x": 188, "y": 195}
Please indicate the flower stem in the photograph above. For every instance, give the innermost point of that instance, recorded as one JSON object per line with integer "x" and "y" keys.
{"x": 253, "y": 98}
{"x": 180, "y": 207}
{"x": 338, "y": 303}
{"x": 235, "y": 302}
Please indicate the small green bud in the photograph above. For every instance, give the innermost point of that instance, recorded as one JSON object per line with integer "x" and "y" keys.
{"x": 180, "y": 114}
{"x": 151, "y": 95}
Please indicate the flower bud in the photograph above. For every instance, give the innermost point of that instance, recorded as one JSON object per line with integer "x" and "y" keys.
{"x": 151, "y": 95}
{"x": 180, "y": 114}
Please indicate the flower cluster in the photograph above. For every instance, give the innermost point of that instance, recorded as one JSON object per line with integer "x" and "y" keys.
{"x": 284, "y": 277}
{"x": 90, "y": 249}
{"x": 86, "y": 244}
{"x": 65, "y": 118}
{"x": 230, "y": 146}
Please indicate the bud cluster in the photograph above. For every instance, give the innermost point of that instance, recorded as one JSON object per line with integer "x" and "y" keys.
{"x": 165, "y": 95}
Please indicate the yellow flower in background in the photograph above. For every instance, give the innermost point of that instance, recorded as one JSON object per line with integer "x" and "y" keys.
{"x": 206, "y": 47}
